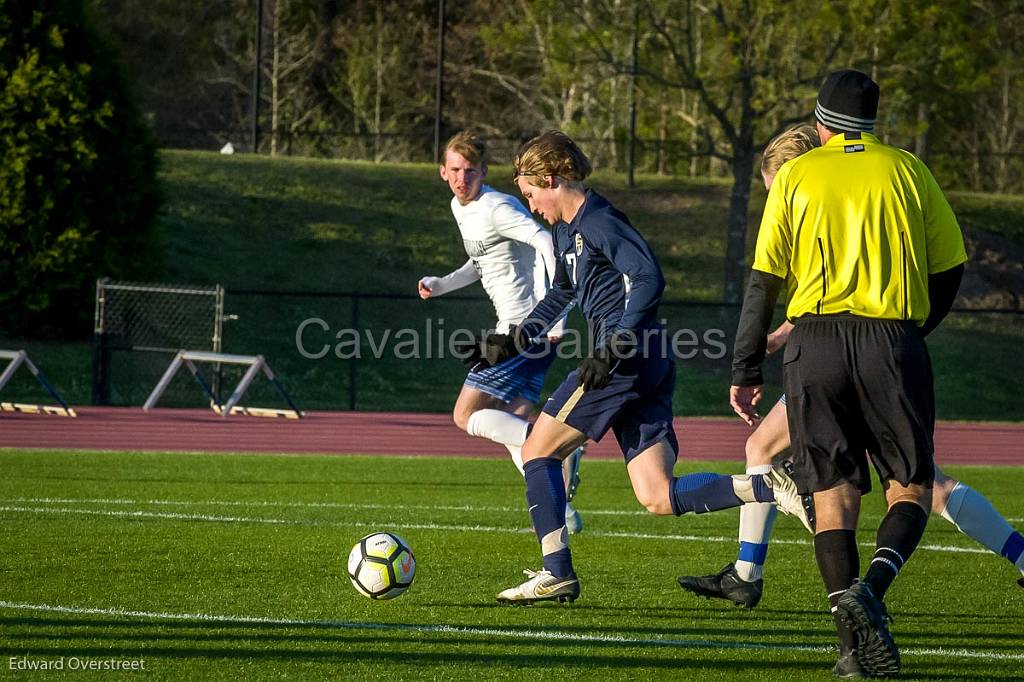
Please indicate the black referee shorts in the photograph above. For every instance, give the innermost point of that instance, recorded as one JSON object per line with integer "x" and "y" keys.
{"x": 856, "y": 385}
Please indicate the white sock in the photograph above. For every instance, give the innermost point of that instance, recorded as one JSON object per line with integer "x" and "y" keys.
{"x": 517, "y": 457}
{"x": 756, "y": 521}
{"x": 975, "y": 517}
{"x": 501, "y": 427}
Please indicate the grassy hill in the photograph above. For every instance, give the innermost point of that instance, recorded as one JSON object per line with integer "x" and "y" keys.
{"x": 321, "y": 226}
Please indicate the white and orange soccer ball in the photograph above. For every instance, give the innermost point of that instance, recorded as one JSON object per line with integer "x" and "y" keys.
{"x": 381, "y": 566}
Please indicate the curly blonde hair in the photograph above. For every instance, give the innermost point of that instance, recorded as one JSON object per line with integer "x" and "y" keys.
{"x": 788, "y": 144}
{"x": 552, "y": 153}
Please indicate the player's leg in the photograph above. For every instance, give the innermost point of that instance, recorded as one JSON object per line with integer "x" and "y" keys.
{"x": 895, "y": 398}
{"x": 835, "y": 551}
{"x": 975, "y": 517}
{"x": 570, "y": 417}
{"x": 516, "y": 384}
{"x": 900, "y": 531}
{"x": 483, "y": 415}
{"x": 507, "y": 423}
{"x": 549, "y": 442}
{"x": 705, "y": 492}
{"x": 828, "y": 444}
{"x": 650, "y": 474}
{"x": 770, "y": 438}
{"x": 741, "y": 582}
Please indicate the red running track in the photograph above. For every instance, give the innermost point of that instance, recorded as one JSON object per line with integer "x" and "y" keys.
{"x": 389, "y": 433}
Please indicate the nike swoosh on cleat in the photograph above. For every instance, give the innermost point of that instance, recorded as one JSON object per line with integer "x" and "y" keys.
{"x": 543, "y": 590}
{"x": 533, "y": 507}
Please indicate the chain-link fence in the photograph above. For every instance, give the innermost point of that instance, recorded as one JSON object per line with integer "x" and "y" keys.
{"x": 138, "y": 329}
{"x": 376, "y": 352}
{"x": 348, "y": 350}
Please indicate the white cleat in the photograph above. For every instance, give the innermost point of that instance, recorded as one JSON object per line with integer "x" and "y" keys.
{"x": 541, "y": 586}
{"x": 573, "y": 521}
{"x": 571, "y": 469}
{"x": 788, "y": 499}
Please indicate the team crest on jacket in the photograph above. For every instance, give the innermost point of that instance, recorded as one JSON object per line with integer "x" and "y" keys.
{"x": 579, "y": 243}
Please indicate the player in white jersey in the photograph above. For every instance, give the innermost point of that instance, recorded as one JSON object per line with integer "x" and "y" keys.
{"x": 513, "y": 257}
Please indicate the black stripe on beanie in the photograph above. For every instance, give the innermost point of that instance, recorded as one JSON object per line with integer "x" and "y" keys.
{"x": 848, "y": 101}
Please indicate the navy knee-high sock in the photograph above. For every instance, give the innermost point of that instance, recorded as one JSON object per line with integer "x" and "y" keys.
{"x": 705, "y": 492}
{"x": 545, "y": 495}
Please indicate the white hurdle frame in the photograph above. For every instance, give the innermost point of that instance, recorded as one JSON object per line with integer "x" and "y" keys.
{"x": 256, "y": 363}
{"x": 17, "y": 359}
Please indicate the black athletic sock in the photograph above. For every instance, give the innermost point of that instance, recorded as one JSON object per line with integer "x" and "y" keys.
{"x": 839, "y": 564}
{"x": 898, "y": 535}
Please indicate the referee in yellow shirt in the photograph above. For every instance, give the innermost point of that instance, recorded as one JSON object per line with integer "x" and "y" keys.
{"x": 873, "y": 257}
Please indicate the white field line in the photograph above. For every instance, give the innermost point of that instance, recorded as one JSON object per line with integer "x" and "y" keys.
{"x": 177, "y": 516}
{"x": 330, "y": 505}
{"x": 304, "y": 505}
{"x": 546, "y": 635}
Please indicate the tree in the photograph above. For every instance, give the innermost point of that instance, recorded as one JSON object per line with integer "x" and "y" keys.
{"x": 385, "y": 76}
{"x": 754, "y": 66}
{"x": 190, "y": 63}
{"x": 991, "y": 127}
{"x": 78, "y": 187}
{"x": 294, "y": 44}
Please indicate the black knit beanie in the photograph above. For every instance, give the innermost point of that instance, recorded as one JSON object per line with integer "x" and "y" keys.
{"x": 848, "y": 101}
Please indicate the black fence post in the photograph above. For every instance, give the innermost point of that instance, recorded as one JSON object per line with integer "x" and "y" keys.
{"x": 352, "y": 388}
{"x": 100, "y": 370}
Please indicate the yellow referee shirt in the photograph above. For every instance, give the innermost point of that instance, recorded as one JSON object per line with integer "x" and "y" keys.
{"x": 857, "y": 226}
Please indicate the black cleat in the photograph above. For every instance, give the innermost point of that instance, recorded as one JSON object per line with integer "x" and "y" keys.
{"x": 848, "y": 667}
{"x": 1020, "y": 581}
{"x": 726, "y": 584}
{"x": 867, "y": 618}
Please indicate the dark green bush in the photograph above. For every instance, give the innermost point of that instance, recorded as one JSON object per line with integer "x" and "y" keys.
{"x": 78, "y": 185}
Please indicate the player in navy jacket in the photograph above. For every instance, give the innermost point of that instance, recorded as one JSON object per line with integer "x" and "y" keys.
{"x": 624, "y": 384}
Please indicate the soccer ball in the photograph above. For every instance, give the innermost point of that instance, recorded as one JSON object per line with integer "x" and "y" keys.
{"x": 381, "y": 566}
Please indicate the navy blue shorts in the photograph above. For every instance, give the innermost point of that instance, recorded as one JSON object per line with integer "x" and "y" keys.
{"x": 636, "y": 405}
{"x": 522, "y": 375}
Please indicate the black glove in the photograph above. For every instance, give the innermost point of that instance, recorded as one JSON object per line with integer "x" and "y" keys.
{"x": 596, "y": 371}
{"x": 500, "y": 347}
{"x": 471, "y": 353}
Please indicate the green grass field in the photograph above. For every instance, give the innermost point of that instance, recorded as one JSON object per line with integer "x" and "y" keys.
{"x": 232, "y": 567}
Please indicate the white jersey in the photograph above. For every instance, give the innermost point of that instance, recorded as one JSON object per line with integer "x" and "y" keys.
{"x": 509, "y": 253}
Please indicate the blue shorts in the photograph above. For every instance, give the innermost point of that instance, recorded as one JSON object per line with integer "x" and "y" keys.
{"x": 522, "y": 375}
{"x": 636, "y": 405}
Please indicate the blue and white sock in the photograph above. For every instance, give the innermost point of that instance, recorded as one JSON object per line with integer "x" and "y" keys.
{"x": 975, "y": 517}
{"x": 756, "y": 521}
{"x": 545, "y": 495}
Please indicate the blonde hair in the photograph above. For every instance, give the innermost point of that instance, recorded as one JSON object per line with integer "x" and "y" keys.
{"x": 470, "y": 145}
{"x": 787, "y": 145}
{"x": 553, "y": 153}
